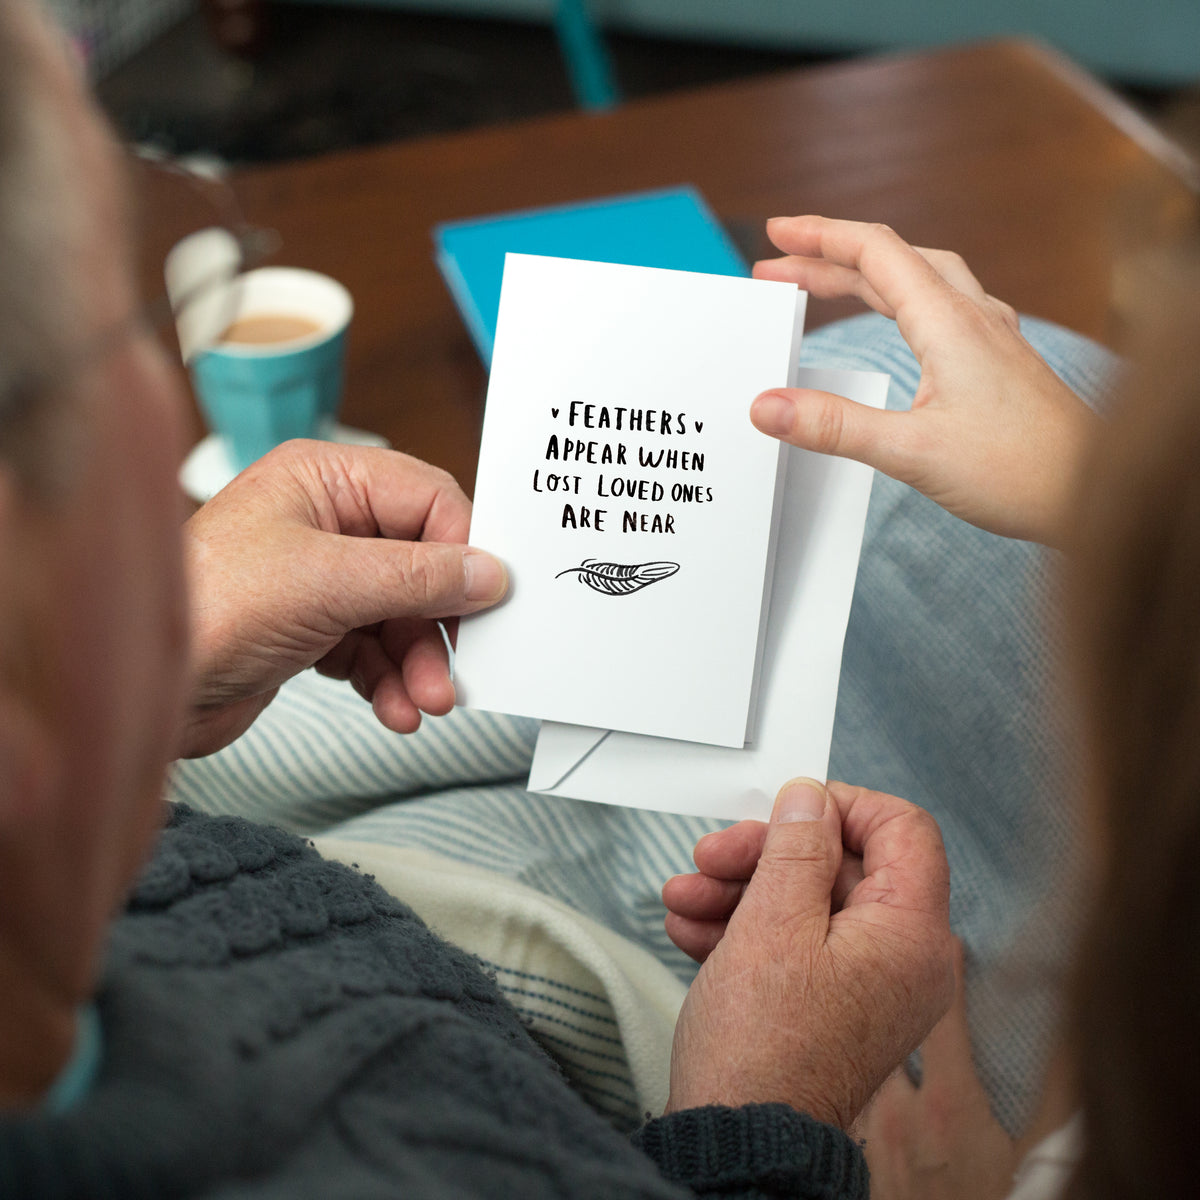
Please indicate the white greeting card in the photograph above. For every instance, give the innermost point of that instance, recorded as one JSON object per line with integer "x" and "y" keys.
{"x": 633, "y": 502}
{"x": 820, "y": 536}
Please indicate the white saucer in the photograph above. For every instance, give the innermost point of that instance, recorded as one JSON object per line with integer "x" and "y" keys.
{"x": 207, "y": 469}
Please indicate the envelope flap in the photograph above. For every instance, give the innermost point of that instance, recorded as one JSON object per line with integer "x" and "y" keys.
{"x": 560, "y": 749}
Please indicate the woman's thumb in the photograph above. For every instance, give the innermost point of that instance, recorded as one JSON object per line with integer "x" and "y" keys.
{"x": 828, "y": 424}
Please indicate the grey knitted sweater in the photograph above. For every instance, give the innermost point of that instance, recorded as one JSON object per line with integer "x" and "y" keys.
{"x": 276, "y": 1025}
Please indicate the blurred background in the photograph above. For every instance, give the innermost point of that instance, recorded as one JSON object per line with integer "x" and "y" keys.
{"x": 255, "y": 81}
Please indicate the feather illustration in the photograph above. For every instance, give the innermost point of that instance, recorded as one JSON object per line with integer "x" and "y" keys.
{"x": 620, "y": 579}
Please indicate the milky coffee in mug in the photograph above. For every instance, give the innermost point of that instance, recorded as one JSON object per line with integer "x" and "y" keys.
{"x": 266, "y": 329}
{"x": 276, "y": 371}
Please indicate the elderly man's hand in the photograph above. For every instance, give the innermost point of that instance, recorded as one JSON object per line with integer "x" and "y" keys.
{"x": 331, "y": 556}
{"x": 994, "y": 436}
{"x": 827, "y": 952}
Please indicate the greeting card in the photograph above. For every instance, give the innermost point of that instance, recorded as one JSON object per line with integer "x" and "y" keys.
{"x": 820, "y": 536}
{"x": 633, "y": 502}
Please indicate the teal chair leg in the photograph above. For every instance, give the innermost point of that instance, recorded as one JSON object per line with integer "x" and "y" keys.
{"x": 585, "y": 56}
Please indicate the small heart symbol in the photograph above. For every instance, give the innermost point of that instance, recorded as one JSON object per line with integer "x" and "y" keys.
{"x": 554, "y": 412}
{"x": 699, "y": 426}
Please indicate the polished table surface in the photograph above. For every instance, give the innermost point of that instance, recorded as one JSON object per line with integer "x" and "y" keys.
{"x": 1001, "y": 151}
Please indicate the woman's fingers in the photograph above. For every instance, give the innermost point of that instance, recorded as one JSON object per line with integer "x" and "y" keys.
{"x": 921, "y": 288}
{"x": 905, "y": 281}
{"x": 829, "y": 280}
{"x": 825, "y": 280}
{"x": 953, "y": 269}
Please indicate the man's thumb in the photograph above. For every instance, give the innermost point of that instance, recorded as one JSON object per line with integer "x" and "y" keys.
{"x": 449, "y": 581}
{"x": 485, "y": 578}
{"x": 376, "y": 579}
{"x": 802, "y": 852}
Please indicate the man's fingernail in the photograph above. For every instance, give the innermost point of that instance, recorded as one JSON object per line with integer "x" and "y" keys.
{"x": 799, "y": 800}
{"x": 772, "y": 413}
{"x": 485, "y": 576}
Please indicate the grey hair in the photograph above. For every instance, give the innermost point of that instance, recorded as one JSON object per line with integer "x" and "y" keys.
{"x": 35, "y": 293}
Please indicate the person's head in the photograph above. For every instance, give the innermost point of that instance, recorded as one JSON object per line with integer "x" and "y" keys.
{"x": 1134, "y": 604}
{"x": 92, "y": 642}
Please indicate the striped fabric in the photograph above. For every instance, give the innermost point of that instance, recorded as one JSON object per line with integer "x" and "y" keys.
{"x": 578, "y": 1028}
{"x": 317, "y": 762}
{"x": 603, "y": 1006}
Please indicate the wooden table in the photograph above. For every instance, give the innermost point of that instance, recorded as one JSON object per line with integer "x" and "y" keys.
{"x": 1002, "y": 151}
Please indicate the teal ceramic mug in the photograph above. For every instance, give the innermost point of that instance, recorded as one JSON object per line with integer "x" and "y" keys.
{"x": 275, "y": 372}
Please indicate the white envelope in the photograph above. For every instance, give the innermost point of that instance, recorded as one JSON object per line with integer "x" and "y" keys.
{"x": 820, "y": 538}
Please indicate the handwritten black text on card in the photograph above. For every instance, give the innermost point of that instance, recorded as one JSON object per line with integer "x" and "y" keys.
{"x": 621, "y": 481}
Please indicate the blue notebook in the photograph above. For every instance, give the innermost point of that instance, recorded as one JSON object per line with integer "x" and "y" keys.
{"x": 670, "y": 228}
